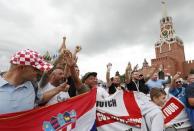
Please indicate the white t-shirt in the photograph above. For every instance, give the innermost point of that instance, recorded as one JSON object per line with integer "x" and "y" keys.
{"x": 61, "y": 96}
{"x": 101, "y": 93}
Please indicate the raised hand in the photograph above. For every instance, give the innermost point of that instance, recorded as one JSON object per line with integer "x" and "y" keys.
{"x": 135, "y": 68}
{"x": 177, "y": 75}
{"x": 78, "y": 49}
{"x": 129, "y": 67}
{"x": 109, "y": 65}
{"x": 69, "y": 58}
{"x": 63, "y": 45}
{"x": 167, "y": 74}
{"x": 160, "y": 68}
{"x": 64, "y": 87}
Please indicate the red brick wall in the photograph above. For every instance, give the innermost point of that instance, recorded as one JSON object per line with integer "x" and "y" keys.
{"x": 188, "y": 65}
{"x": 147, "y": 71}
{"x": 169, "y": 65}
{"x": 176, "y": 52}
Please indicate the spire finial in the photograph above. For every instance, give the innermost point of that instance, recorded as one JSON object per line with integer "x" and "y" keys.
{"x": 164, "y": 8}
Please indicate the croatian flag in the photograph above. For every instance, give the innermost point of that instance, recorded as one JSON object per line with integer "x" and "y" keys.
{"x": 75, "y": 114}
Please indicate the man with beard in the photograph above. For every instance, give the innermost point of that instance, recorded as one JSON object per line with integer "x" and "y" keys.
{"x": 89, "y": 80}
{"x": 113, "y": 83}
{"x": 134, "y": 81}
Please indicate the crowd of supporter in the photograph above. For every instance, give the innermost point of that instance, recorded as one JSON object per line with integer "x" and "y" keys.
{"x": 32, "y": 81}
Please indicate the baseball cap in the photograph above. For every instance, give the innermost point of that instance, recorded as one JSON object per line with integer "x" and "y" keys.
{"x": 88, "y": 74}
{"x": 31, "y": 58}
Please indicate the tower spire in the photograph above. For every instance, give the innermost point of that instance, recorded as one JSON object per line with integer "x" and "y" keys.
{"x": 164, "y": 8}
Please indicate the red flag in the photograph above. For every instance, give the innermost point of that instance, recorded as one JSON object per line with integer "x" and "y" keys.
{"x": 56, "y": 117}
{"x": 171, "y": 109}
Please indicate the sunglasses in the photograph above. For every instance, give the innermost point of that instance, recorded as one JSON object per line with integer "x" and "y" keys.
{"x": 178, "y": 82}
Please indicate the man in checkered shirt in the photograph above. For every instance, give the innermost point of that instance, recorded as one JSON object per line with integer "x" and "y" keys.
{"x": 16, "y": 90}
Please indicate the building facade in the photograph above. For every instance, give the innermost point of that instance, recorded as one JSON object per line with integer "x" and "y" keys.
{"x": 169, "y": 51}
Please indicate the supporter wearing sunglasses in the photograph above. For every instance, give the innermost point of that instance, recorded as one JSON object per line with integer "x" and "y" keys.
{"x": 177, "y": 88}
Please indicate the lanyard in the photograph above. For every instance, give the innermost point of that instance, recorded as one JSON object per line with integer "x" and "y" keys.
{"x": 137, "y": 85}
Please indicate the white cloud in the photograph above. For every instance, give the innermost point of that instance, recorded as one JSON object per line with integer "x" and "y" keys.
{"x": 119, "y": 57}
{"x": 108, "y": 31}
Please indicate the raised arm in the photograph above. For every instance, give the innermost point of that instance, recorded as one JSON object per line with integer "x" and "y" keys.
{"x": 168, "y": 80}
{"x": 67, "y": 68}
{"x": 148, "y": 76}
{"x": 59, "y": 59}
{"x": 77, "y": 49}
{"x": 108, "y": 81}
{"x": 135, "y": 68}
{"x": 71, "y": 64}
{"x": 174, "y": 78}
{"x": 128, "y": 73}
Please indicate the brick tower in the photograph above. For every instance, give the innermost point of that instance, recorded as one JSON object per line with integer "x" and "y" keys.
{"x": 169, "y": 50}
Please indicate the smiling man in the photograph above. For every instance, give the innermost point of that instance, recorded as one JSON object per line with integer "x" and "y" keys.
{"x": 17, "y": 93}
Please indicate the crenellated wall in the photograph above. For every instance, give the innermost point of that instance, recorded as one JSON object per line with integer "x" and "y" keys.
{"x": 175, "y": 51}
{"x": 147, "y": 71}
{"x": 169, "y": 64}
{"x": 188, "y": 65}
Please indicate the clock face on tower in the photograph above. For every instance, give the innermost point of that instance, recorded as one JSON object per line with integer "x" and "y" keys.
{"x": 165, "y": 33}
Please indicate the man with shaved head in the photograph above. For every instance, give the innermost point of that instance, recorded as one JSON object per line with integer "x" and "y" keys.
{"x": 56, "y": 78}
